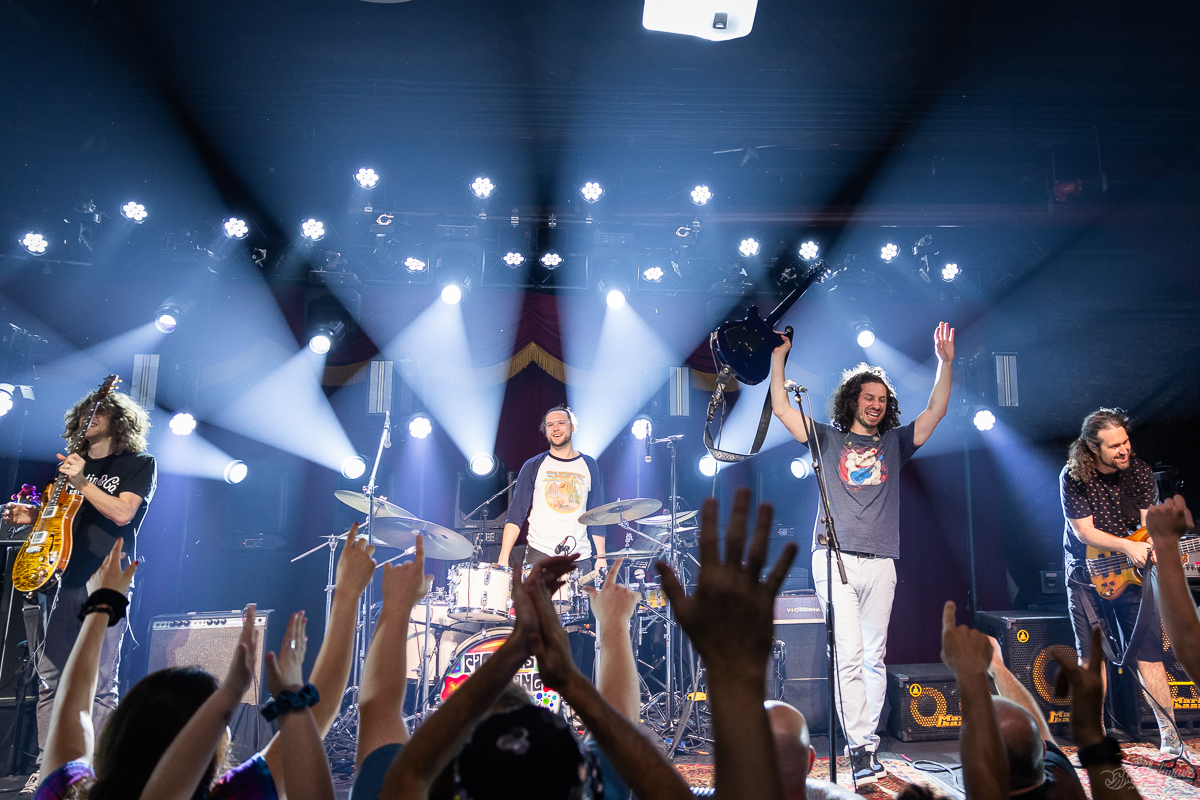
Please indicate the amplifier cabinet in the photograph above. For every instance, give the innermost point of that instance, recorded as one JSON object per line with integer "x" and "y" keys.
{"x": 207, "y": 640}
{"x": 1028, "y": 641}
{"x": 924, "y": 703}
{"x": 1184, "y": 698}
{"x": 801, "y": 672}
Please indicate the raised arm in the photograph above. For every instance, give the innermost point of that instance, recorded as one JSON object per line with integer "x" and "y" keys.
{"x": 729, "y": 619}
{"x": 635, "y": 757}
{"x": 1167, "y": 522}
{"x": 781, "y": 405}
{"x": 182, "y": 766}
{"x": 939, "y": 398}
{"x": 985, "y": 762}
{"x": 617, "y": 677}
{"x": 1012, "y": 689}
{"x": 71, "y": 737}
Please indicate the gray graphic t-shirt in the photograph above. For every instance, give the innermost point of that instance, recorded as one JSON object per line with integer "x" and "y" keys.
{"x": 863, "y": 474}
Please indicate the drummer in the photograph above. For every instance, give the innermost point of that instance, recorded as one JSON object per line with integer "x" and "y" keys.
{"x": 552, "y": 491}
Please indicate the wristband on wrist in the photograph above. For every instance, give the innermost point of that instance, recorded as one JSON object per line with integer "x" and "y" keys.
{"x": 1106, "y": 751}
{"x": 287, "y": 701}
{"x": 110, "y": 601}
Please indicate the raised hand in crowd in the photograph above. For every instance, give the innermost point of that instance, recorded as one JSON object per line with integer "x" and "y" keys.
{"x": 1166, "y": 522}
{"x": 385, "y": 672}
{"x": 968, "y": 653}
{"x": 636, "y": 759}
{"x": 1099, "y": 754}
{"x": 441, "y": 737}
{"x": 616, "y": 676}
{"x": 71, "y": 737}
{"x": 185, "y": 762}
{"x": 729, "y": 619}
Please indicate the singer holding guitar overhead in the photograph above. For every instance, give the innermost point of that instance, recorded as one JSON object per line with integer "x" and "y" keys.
{"x": 863, "y": 451}
{"x": 553, "y": 489}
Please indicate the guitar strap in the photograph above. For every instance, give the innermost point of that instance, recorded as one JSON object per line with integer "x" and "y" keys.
{"x": 724, "y": 379}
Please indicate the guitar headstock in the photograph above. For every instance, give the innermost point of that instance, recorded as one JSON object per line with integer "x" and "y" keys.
{"x": 106, "y": 388}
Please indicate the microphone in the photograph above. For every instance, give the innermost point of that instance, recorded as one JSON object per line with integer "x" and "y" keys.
{"x": 387, "y": 429}
{"x": 649, "y": 438}
{"x": 562, "y": 547}
{"x": 792, "y": 386}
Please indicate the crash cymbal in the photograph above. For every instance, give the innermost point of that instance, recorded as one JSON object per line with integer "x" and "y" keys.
{"x": 632, "y": 553}
{"x": 358, "y": 501}
{"x": 620, "y": 511}
{"x": 440, "y": 542}
{"x": 399, "y": 539}
{"x": 665, "y": 519}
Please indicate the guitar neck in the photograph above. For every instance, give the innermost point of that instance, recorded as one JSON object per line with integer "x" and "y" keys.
{"x": 785, "y": 305}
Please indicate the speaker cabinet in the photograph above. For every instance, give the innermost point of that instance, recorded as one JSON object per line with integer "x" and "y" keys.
{"x": 1028, "y": 641}
{"x": 801, "y": 672}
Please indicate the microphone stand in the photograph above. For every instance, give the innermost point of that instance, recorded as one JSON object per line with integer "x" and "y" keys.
{"x": 369, "y": 493}
{"x": 832, "y": 548}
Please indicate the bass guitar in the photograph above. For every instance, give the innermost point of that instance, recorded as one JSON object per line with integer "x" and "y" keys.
{"x": 1111, "y": 572}
{"x": 47, "y": 551}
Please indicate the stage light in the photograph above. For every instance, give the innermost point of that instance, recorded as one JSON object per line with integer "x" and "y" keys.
{"x": 35, "y": 243}
{"x": 319, "y": 343}
{"x": 591, "y": 191}
{"x": 482, "y": 465}
{"x": 325, "y": 334}
{"x": 414, "y": 264}
{"x": 235, "y": 471}
{"x": 6, "y": 401}
{"x": 420, "y": 426}
{"x": 984, "y": 419}
{"x": 801, "y": 469}
{"x": 366, "y": 178}
{"x": 514, "y": 259}
{"x": 864, "y": 335}
{"x": 134, "y": 211}
{"x": 950, "y": 272}
{"x": 182, "y": 424}
{"x": 615, "y": 298}
{"x": 312, "y": 230}
{"x": 701, "y": 195}
{"x": 641, "y": 428}
{"x": 748, "y": 248}
{"x": 707, "y": 465}
{"x": 451, "y": 294}
{"x": 354, "y": 467}
{"x": 482, "y": 188}
{"x": 551, "y": 260}
{"x": 236, "y": 228}
{"x": 809, "y": 250}
{"x": 889, "y": 252}
{"x": 166, "y": 322}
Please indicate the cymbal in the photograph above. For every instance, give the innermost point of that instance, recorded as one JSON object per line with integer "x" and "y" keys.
{"x": 399, "y": 539}
{"x": 358, "y": 501}
{"x": 631, "y": 553}
{"x": 620, "y": 511}
{"x": 665, "y": 519}
{"x": 440, "y": 542}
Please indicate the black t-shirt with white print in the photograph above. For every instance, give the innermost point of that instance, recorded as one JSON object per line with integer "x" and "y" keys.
{"x": 94, "y": 533}
{"x": 1114, "y": 501}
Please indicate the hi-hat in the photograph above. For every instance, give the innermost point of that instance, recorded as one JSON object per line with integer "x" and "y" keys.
{"x": 665, "y": 519}
{"x": 440, "y": 542}
{"x": 620, "y": 511}
{"x": 358, "y": 501}
{"x": 632, "y": 554}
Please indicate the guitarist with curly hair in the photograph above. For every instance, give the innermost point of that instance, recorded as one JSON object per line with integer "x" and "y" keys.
{"x": 116, "y": 478}
{"x": 1105, "y": 491}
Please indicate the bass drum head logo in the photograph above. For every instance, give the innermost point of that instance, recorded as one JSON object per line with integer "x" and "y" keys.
{"x": 479, "y": 648}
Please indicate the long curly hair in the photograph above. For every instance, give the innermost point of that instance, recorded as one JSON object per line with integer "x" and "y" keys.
{"x": 1081, "y": 460}
{"x": 844, "y": 401}
{"x": 128, "y": 421}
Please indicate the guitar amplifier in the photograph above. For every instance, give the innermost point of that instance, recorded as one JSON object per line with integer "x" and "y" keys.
{"x": 924, "y": 702}
{"x": 207, "y": 640}
{"x": 801, "y": 674}
{"x": 1028, "y": 641}
{"x": 1184, "y": 698}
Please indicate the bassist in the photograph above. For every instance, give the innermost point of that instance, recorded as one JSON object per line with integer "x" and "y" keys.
{"x": 116, "y": 477}
{"x": 1105, "y": 491}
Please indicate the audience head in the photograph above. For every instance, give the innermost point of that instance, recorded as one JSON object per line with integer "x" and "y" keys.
{"x": 792, "y": 748}
{"x": 144, "y": 724}
{"x": 1023, "y": 744}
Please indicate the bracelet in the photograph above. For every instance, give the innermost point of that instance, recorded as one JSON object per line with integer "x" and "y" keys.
{"x": 1106, "y": 751}
{"x": 287, "y": 701}
{"x": 108, "y": 600}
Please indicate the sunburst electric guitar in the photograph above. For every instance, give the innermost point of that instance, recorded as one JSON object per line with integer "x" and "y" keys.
{"x": 1111, "y": 572}
{"x": 47, "y": 551}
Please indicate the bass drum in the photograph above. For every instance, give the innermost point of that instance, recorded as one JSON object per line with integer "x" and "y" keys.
{"x": 478, "y": 649}
{"x": 441, "y": 642}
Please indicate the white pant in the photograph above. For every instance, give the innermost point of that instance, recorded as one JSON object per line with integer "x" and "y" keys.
{"x": 862, "y": 609}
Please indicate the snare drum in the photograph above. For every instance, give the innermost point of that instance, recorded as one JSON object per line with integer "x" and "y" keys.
{"x": 479, "y": 648}
{"x": 480, "y": 593}
{"x": 442, "y": 642}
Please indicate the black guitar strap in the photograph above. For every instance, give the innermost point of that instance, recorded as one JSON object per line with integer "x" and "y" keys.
{"x": 724, "y": 379}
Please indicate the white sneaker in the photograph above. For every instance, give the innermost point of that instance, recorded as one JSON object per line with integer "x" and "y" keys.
{"x": 31, "y": 785}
